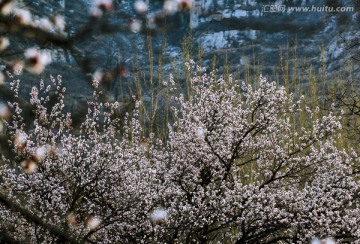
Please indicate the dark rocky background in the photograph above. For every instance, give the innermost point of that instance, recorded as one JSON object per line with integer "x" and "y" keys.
{"x": 238, "y": 32}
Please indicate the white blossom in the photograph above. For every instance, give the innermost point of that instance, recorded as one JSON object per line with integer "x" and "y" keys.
{"x": 170, "y": 7}
{"x": 140, "y": 6}
{"x": 44, "y": 24}
{"x": 135, "y": 25}
{"x": 93, "y": 222}
{"x": 158, "y": 216}
{"x": 8, "y": 7}
{"x": 59, "y": 22}
{"x": 23, "y": 15}
{"x": 233, "y": 168}
{"x": 4, "y": 43}
{"x": 29, "y": 166}
{"x": 37, "y": 60}
{"x": 20, "y": 139}
{"x": 100, "y": 6}
{"x": 5, "y": 112}
{"x": 41, "y": 153}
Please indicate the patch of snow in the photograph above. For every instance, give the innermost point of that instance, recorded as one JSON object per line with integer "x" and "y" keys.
{"x": 240, "y": 13}
{"x": 219, "y": 40}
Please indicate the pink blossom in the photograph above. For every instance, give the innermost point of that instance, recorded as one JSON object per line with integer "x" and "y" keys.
{"x": 29, "y": 166}
{"x": 170, "y": 7}
{"x": 4, "y": 43}
{"x": 93, "y": 222}
{"x": 135, "y": 25}
{"x": 233, "y": 168}
{"x": 5, "y": 112}
{"x": 59, "y": 22}
{"x": 23, "y": 15}
{"x": 140, "y": 6}
{"x": 37, "y": 60}
{"x": 8, "y": 7}
{"x": 100, "y": 6}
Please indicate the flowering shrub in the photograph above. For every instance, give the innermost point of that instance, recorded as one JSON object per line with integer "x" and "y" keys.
{"x": 234, "y": 169}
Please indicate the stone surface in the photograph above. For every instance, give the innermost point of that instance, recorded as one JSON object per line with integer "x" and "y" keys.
{"x": 242, "y": 31}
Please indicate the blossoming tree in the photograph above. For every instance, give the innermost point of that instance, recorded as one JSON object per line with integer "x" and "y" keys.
{"x": 237, "y": 167}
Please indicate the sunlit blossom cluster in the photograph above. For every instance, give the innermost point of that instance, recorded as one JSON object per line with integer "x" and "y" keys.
{"x": 233, "y": 170}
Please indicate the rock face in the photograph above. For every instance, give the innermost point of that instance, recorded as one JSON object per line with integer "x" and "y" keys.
{"x": 240, "y": 30}
{"x": 247, "y": 29}
{"x": 248, "y": 33}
